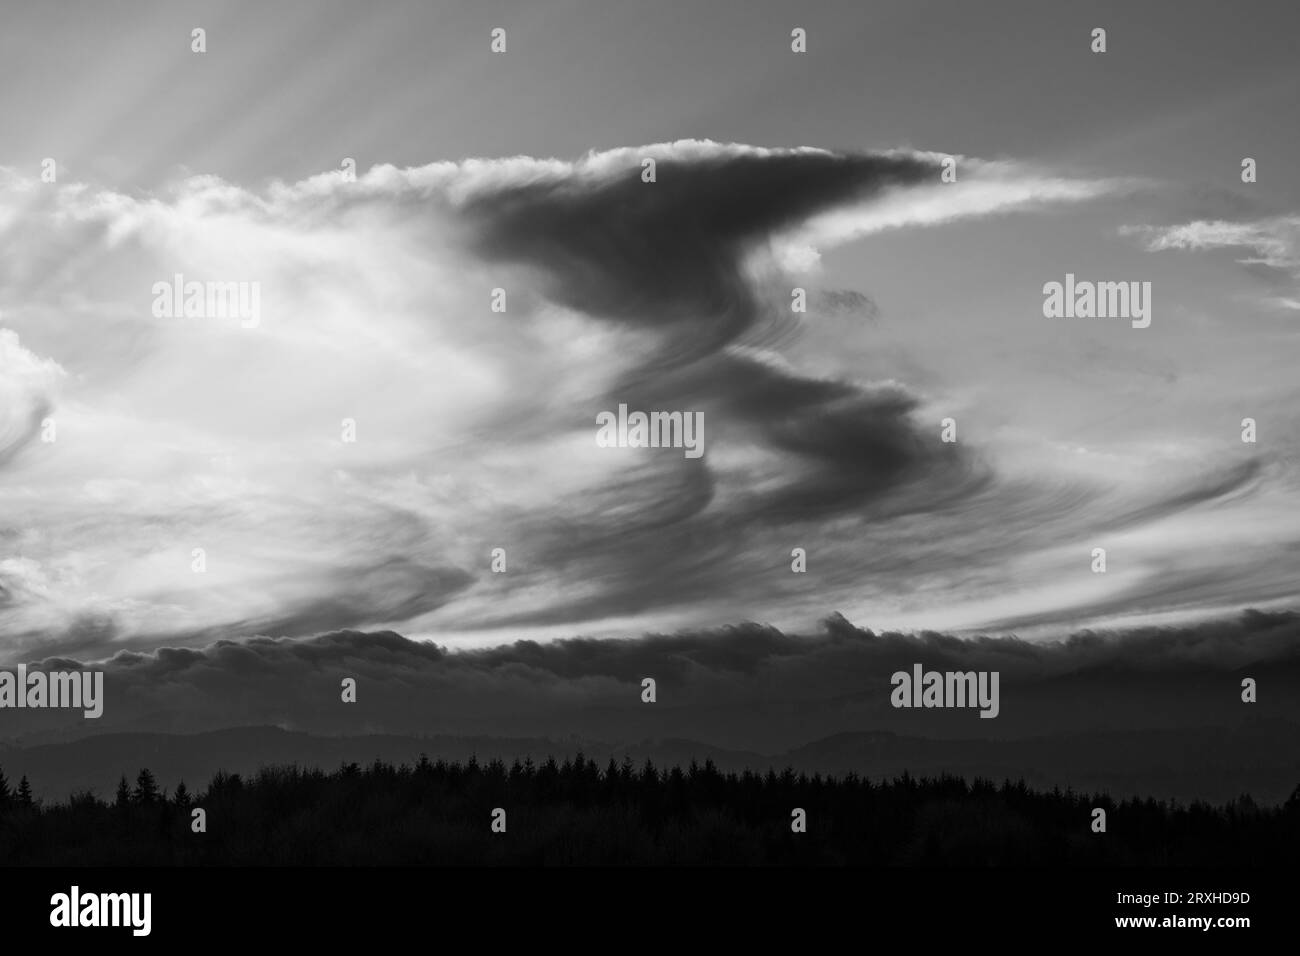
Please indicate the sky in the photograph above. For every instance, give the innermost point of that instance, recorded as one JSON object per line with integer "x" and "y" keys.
{"x": 522, "y": 170}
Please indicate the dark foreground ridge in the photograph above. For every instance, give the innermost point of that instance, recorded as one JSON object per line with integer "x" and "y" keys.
{"x": 574, "y": 813}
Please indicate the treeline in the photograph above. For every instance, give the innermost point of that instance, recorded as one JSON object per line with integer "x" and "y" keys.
{"x": 573, "y": 812}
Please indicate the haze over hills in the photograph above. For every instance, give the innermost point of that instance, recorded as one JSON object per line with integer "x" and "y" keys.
{"x": 1213, "y": 764}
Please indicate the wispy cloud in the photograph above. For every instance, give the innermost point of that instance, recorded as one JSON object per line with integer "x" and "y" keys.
{"x": 476, "y": 428}
{"x": 1273, "y": 242}
{"x": 1271, "y": 245}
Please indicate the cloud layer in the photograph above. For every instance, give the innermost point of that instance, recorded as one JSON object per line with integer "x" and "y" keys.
{"x": 746, "y": 687}
{"x": 475, "y": 428}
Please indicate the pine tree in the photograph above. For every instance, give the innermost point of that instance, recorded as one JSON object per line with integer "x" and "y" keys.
{"x": 146, "y": 788}
{"x": 182, "y": 795}
{"x": 6, "y": 796}
{"x": 1292, "y": 804}
{"x": 24, "y": 792}
{"x": 123, "y": 797}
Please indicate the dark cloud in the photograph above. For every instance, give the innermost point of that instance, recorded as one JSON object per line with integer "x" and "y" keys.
{"x": 749, "y": 686}
{"x": 847, "y": 302}
{"x": 671, "y": 257}
{"x": 671, "y": 251}
{"x": 832, "y": 448}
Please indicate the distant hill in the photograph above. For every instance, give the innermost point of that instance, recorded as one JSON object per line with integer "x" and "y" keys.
{"x": 1214, "y": 764}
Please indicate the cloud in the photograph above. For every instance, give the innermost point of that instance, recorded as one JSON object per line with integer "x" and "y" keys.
{"x": 28, "y": 385}
{"x": 1271, "y": 246}
{"x": 674, "y": 251}
{"x": 984, "y": 188}
{"x": 474, "y": 428}
{"x": 1273, "y": 242}
{"x": 749, "y": 686}
{"x": 847, "y": 302}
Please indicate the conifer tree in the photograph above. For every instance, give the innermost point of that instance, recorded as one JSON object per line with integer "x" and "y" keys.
{"x": 123, "y": 797}
{"x": 146, "y": 788}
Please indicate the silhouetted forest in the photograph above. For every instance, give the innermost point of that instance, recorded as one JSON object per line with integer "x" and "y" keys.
{"x": 573, "y": 812}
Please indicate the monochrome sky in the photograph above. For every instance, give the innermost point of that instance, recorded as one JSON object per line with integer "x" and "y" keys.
{"x": 476, "y": 430}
